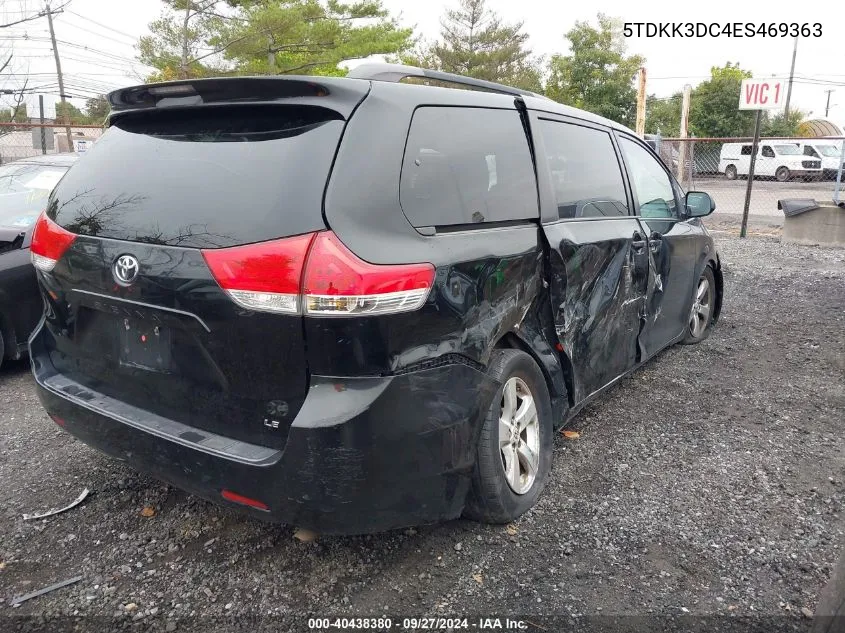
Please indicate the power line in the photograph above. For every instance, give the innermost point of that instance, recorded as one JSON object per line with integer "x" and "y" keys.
{"x": 133, "y": 37}
{"x": 96, "y": 51}
{"x": 35, "y": 16}
{"x": 117, "y": 70}
{"x": 100, "y": 35}
{"x": 125, "y": 68}
{"x": 73, "y": 74}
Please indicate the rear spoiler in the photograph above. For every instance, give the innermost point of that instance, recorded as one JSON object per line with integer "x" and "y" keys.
{"x": 339, "y": 94}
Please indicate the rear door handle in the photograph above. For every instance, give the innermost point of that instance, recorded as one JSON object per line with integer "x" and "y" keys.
{"x": 655, "y": 242}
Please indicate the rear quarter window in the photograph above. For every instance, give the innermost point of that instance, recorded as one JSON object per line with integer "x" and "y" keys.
{"x": 467, "y": 166}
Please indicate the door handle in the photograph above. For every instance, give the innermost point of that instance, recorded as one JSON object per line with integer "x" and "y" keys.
{"x": 638, "y": 242}
{"x": 655, "y": 242}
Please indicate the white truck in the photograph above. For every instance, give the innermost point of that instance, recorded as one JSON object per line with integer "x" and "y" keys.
{"x": 779, "y": 159}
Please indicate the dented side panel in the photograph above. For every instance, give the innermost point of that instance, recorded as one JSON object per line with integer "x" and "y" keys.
{"x": 598, "y": 285}
{"x": 472, "y": 305}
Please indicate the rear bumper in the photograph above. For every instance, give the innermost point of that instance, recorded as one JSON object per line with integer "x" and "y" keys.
{"x": 363, "y": 455}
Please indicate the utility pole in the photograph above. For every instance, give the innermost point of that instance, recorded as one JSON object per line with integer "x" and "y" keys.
{"x": 59, "y": 75}
{"x": 41, "y": 119}
{"x": 684, "y": 132}
{"x": 183, "y": 66}
{"x": 789, "y": 86}
{"x": 827, "y": 105}
{"x": 640, "y": 127}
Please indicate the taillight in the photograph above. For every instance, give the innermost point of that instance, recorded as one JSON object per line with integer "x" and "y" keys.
{"x": 263, "y": 276}
{"x": 316, "y": 274}
{"x": 49, "y": 243}
{"x": 337, "y": 282}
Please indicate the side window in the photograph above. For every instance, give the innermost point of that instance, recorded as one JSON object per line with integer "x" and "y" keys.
{"x": 809, "y": 151}
{"x": 466, "y": 166}
{"x": 746, "y": 150}
{"x": 768, "y": 152}
{"x": 650, "y": 181}
{"x": 584, "y": 170}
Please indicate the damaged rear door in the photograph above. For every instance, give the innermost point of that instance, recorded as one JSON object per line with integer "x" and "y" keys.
{"x": 598, "y": 252}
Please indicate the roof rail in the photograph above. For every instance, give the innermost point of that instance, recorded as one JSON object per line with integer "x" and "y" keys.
{"x": 398, "y": 72}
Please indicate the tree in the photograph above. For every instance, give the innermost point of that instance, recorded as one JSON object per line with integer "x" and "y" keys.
{"x": 780, "y": 125}
{"x": 714, "y": 104}
{"x": 174, "y": 48}
{"x": 97, "y": 109}
{"x": 67, "y": 112}
{"x": 596, "y": 75}
{"x": 663, "y": 116}
{"x": 195, "y": 39}
{"x": 475, "y": 42}
{"x": 305, "y": 36}
{"x": 16, "y": 114}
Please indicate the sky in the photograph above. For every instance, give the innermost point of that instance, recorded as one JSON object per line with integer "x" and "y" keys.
{"x": 97, "y": 38}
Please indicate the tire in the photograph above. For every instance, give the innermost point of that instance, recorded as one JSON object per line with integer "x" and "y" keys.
{"x": 782, "y": 174}
{"x": 2, "y": 348}
{"x": 730, "y": 172}
{"x": 704, "y": 296}
{"x": 494, "y": 496}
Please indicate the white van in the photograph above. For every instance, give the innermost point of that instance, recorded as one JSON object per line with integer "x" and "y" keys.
{"x": 830, "y": 153}
{"x": 781, "y": 159}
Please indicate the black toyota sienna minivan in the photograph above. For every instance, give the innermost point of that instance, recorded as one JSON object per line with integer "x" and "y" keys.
{"x": 354, "y": 304}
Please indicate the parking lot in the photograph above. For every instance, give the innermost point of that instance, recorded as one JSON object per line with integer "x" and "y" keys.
{"x": 712, "y": 481}
{"x": 730, "y": 194}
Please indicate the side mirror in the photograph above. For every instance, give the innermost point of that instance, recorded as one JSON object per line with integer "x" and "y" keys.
{"x": 699, "y": 204}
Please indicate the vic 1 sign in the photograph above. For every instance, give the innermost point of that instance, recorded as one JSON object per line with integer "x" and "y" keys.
{"x": 762, "y": 94}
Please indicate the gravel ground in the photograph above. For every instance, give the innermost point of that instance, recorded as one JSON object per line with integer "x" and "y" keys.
{"x": 709, "y": 482}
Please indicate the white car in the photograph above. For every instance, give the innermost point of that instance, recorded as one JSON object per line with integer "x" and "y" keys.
{"x": 828, "y": 152}
{"x": 780, "y": 159}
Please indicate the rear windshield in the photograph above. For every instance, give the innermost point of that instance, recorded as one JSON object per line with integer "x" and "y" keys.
{"x": 203, "y": 178}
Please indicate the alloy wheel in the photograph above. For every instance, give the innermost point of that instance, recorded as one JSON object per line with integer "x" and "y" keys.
{"x": 519, "y": 435}
{"x": 701, "y": 308}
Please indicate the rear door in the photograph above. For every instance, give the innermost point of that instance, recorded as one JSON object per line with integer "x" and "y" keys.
{"x": 672, "y": 245}
{"x": 598, "y": 256}
{"x": 179, "y": 292}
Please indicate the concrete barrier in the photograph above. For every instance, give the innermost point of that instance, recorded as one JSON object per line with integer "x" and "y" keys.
{"x": 824, "y": 226}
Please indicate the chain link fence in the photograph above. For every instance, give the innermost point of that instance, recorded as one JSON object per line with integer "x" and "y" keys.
{"x": 25, "y": 140}
{"x": 784, "y": 168}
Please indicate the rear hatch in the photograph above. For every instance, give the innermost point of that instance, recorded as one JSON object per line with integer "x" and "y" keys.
{"x": 164, "y": 217}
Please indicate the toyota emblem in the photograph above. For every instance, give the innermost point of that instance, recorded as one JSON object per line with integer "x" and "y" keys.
{"x": 125, "y": 269}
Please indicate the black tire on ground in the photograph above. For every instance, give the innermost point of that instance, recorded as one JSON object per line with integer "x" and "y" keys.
{"x": 699, "y": 326}
{"x": 730, "y": 172}
{"x": 782, "y": 174}
{"x": 491, "y": 499}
